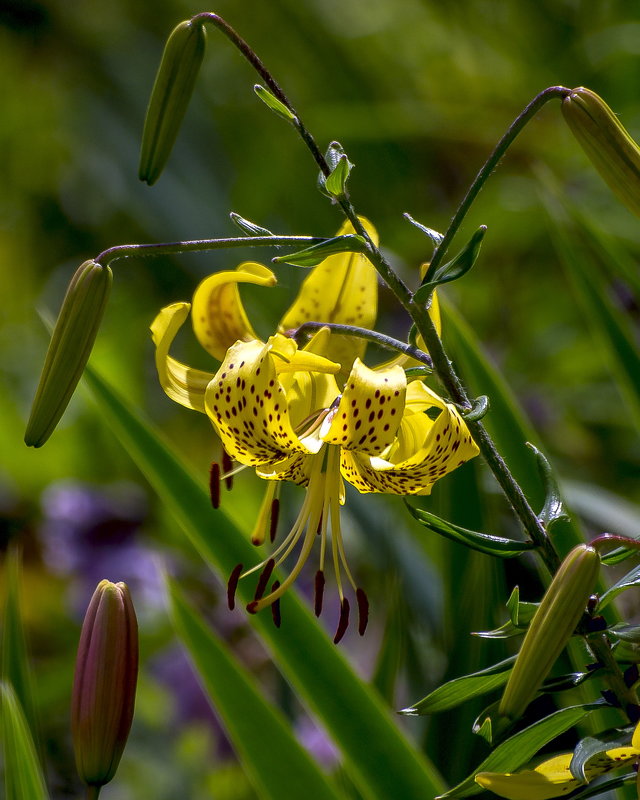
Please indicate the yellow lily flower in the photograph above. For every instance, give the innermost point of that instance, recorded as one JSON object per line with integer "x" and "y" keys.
{"x": 313, "y": 416}
{"x": 553, "y": 777}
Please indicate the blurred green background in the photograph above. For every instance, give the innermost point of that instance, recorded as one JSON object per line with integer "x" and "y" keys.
{"x": 417, "y": 92}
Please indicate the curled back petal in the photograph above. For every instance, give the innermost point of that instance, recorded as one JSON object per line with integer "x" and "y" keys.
{"x": 370, "y": 409}
{"x": 447, "y": 445}
{"x": 183, "y": 384}
{"x": 219, "y": 318}
{"x": 248, "y": 407}
{"x": 288, "y": 358}
{"x": 342, "y": 289}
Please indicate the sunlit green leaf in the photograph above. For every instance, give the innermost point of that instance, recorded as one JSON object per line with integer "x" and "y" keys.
{"x": 632, "y": 578}
{"x": 454, "y": 269}
{"x": 459, "y": 690}
{"x": 496, "y": 546}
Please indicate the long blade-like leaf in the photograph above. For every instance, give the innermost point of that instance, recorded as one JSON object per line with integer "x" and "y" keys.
{"x": 278, "y": 766}
{"x": 15, "y": 663}
{"x": 22, "y": 774}
{"x": 382, "y": 762}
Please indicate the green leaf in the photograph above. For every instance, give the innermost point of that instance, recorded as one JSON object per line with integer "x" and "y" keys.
{"x": 511, "y": 754}
{"x": 248, "y": 227}
{"x": 478, "y": 409}
{"x": 632, "y": 578}
{"x": 336, "y": 182}
{"x": 553, "y": 508}
{"x": 15, "y": 661}
{"x": 459, "y": 690}
{"x": 454, "y": 269}
{"x": 22, "y": 773}
{"x": 311, "y": 256}
{"x": 491, "y": 545}
{"x": 435, "y": 236}
{"x": 258, "y": 730}
{"x": 520, "y": 612}
{"x": 352, "y": 713}
{"x": 272, "y": 102}
{"x": 603, "y": 788}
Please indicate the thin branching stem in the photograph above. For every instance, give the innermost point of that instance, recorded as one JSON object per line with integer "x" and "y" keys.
{"x": 381, "y": 339}
{"x": 203, "y": 246}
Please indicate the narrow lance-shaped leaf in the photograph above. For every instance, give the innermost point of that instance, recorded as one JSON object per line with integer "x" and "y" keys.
{"x": 22, "y": 773}
{"x": 454, "y": 269}
{"x": 15, "y": 661}
{"x": 311, "y": 256}
{"x": 272, "y": 102}
{"x": 496, "y": 546}
{"x": 553, "y": 508}
{"x": 275, "y": 762}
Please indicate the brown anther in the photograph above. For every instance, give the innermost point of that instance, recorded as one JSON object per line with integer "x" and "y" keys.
{"x": 214, "y": 484}
{"x": 227, "y": 466}
{"x": 252, "y": 607}
{"x": 273, "y": 520}
{"x": 343, "y": 622}
{"x": 319, "y": 592}
{"x": 264, "y": 578}
{"x": 275, "y": 606}
{"x": 363, "y": 611}
{"x": 232, "y": 585}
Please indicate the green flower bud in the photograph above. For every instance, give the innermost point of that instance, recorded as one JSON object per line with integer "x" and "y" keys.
{"x": 551, "y": 628}
{"x": 104, "y": 685}
{"x": 71, "y": 343}
{"x": 170, "y": 97}
{"x": 606, "y": 142}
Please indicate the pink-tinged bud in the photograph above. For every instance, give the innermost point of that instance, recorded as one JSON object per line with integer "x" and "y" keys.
{"x": 104, "y": 685}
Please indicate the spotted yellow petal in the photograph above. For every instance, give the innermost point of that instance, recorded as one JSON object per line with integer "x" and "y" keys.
{"x": 447, "y": 445}
{"x": 342, "y": 289}
{"x": 553, "y": 778}
{"x": 248, "y": 407}
{"x": 181, "y": 383}
{"x": 370, "y": 409}
{"x": 219, "y": 318}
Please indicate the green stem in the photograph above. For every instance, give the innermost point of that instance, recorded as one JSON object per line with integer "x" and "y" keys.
{"x": 202, "y": 246}
{"x": 600, "y": 648}
{"x": 491, "y": 163}
{"x": 388, "y": 342}
{"x": 93, "y": 792}
{"x": 253, "y": 59}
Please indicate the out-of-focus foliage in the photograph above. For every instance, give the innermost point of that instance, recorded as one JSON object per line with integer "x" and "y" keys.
{"x": 417, "y": 92}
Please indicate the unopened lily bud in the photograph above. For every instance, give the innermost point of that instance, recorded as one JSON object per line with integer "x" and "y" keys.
{"x": 606, "y": 142}
{"x": 551, "y": 628}
{"x": 170, "y": 96}
{"x": 104, "y": 685}
{"x": 71, "y": 343}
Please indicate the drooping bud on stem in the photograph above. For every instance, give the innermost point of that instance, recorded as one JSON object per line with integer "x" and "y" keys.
{"x": 71, "y": 343}
{"x": 551, "y": 628}
{"x": 170, "y": 96}
{"x": 104, "y": 685}
{"x": 606, "y": 142}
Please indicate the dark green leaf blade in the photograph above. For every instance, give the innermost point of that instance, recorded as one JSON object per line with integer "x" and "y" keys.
{"x": 496, "y": 546}
{"x": 22, "y": 772}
